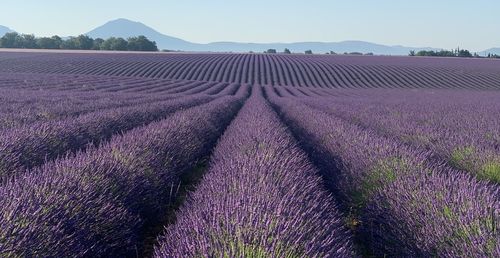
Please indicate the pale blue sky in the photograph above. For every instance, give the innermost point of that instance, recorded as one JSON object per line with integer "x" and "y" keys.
{"x": 472, "y": 24}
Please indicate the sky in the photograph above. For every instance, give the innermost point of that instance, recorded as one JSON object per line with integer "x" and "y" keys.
{"x": 469, "y": 24}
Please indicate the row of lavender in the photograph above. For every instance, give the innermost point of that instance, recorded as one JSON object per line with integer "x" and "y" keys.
{"x": 33, "y": 144}
{"x": 85, "y": 83}
{"x": 21, "y": 107}
{"x": 460, "y": 128}
{"x": 264, "y": 69}
{"x": 260, "y": 198}
{"x": 100, "y": 203}
{"x": 396, "y": 201}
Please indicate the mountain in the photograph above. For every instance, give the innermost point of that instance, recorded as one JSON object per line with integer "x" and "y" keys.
{"x": 316, "y": 47}
{"x": 125, "y": 28}
{"x": 4, "y": 30}
{"x": 495, "y": 51}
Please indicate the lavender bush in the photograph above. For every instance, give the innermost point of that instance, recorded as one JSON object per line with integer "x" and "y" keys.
{"x": 399, "y": 204}
{"x": 260, "y": 198}
{"x": 97, "y": 203}
{"x": 459, "y": 128}
{"x": 30, "y": 146}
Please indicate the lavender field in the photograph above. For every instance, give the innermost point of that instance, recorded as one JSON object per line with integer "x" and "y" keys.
{"x": 248, "y": 155}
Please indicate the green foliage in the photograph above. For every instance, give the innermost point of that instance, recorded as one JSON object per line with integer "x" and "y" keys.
{"x": 11, "y": 40}
{"x": 113, "y": 43}
{"x": 70, "y": 43}
{"x": 462, "y": 157}
{"x": 29, "y": 41}
{"x": 271, "y": 51}
{"x": 383, "y": 173}
{"x": 468, "y": 231}
{"x": 444, "y": 53}
{"x": 97, "y": 44}
{"x": 53, "y": 42}
{"x": 82, "y": 42}
{"x": 287, "y": 51}
{"x": 141, "y": 43}
{"x": 308, "y": 52}
{"x": 238, "y": 246}
{"x": 490, "y": 171}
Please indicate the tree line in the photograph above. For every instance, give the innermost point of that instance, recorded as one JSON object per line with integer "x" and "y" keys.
{"x": 310, "y": 52}
{"x": 450, "y": 53}
{"x": 81, "y": 42}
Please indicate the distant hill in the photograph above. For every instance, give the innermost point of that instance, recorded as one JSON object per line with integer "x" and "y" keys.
{"x": 495, "y": 51}
{"x": 316, "y": 47}
{"x": 4, "y": 30}
{"x": 126, "y": 28}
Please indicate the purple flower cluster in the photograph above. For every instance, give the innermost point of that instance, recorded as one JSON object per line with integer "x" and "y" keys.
{"x": 29, "y": 146}
{"x": 460, "y": 128}
{"x": 260, "y": 198}
{"x": 398, "y": 203}
{"x": 321, "y": 71}
{"x": 331, "y": 156}
{"x": 96, "y": 203}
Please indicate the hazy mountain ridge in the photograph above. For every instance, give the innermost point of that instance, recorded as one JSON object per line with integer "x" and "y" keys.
{"x": 493, "y": 51}
{"x": 4, "y": 30}
{"x": 126, "y": 28}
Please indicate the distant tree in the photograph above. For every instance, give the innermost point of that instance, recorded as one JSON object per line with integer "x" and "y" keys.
{"x": 447, "y": 53}
{"x": 271, "y": 51}
{"x": 58, "y": 41}
{"x": 29, "y": 41}
{"x": 11, "y": 40}
{"x": 70, "y": 43}
{"x": 332, "y": 53}
{"x": 49, "y": 43}
{"x": 412, "y": 53}
{"x": 356, "y": 53}
{"x": 97, "y": 44}
{"x": 141, "y": 43}
{"x": 84, "y": 42}
{"x": 308, "y": 52}
{"x": 464, "y": 53}
{"x": 113, "y": 43}
{"x": 287, "y": 51}
{"x": 369, "y": 54}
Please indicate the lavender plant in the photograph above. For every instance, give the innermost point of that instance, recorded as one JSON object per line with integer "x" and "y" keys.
{"x": 97, "y": 203}
{"x": 397, "y": 203}
{"x": 260, "y": 198}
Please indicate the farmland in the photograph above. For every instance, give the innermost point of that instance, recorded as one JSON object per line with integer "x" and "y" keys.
{"x": 248, "y": 155}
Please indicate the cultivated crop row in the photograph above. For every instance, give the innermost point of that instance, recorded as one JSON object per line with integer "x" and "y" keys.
{"x": 100, "y": 202}
{"x": 264, "y": 69}
{"x": 461, "y": 129}
{"x": 97, "y": 152}
{"x": 395, "y": 200}
{"x": 260, "y": 198}
{"x": 31, "y": 145}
